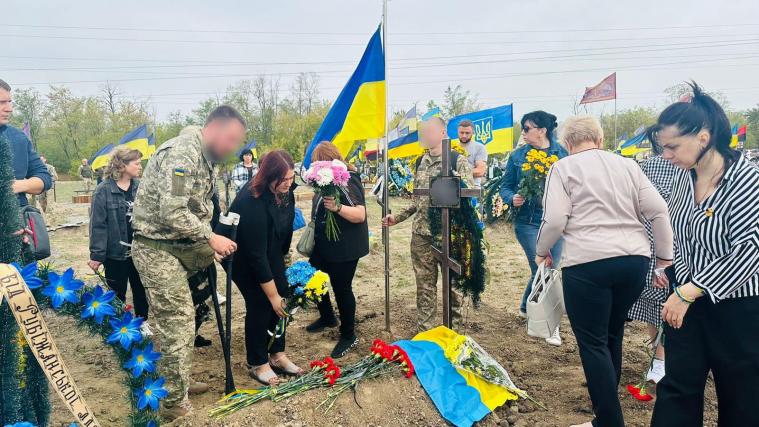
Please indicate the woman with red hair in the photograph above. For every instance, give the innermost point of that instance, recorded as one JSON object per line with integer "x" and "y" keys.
{"x": 266, "y": 207}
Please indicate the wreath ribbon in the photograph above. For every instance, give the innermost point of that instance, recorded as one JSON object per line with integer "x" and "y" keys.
{"x": 41, "y": 343}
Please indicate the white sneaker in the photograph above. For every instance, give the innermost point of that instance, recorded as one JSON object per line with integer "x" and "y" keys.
{"x": 656, "y": 372}
{"x": 145, "y": 330}
{"x": 555, "y": 338}
{"x": 222, "y": 298}
{"x": 522, "y": 314}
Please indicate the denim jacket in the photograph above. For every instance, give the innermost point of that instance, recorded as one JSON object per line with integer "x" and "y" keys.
{"x": 530, "y": 212}
{"x": 108, "y": 221}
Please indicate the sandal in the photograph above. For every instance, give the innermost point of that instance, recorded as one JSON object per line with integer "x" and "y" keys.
{"x": 268, "y": 377}
{"x": 282, "y": 365}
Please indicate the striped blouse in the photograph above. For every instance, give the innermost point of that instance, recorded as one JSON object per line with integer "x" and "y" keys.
{"x": 717, "y": 241}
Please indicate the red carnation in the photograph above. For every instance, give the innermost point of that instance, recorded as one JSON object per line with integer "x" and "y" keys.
{"x": 639, "y": 392}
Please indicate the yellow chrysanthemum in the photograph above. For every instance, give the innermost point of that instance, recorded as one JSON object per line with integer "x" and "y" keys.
{"x": 317, "y": 285}
{"x": 526, "y": 167}
{"x": 554, "y": 158}
{"x": 540, "y": 168}
{"x": 542, "y": 154}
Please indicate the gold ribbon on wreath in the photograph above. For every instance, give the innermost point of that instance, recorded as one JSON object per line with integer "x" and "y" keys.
{"x": 33, "y": 326}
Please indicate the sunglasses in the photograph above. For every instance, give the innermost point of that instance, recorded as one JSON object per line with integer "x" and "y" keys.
{"x": 527, "y": 129}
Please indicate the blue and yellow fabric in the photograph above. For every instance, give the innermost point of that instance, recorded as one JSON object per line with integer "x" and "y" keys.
{"x": 435, "y": 112}
{"x": 405, "y": 146}
{"x": 251, "y": 145}
{"x": 634, "y": 146}
{"x": 359, "y": 111}
{"x": 461, "y": 397}
{"x": 151, "y": 145}
{"x": 138, "y": 139}
{"x": 493, "y": 127}
{"x": 101, "y": 157}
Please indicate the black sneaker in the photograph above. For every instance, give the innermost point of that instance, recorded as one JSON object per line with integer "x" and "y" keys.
{"x": 202, "y": 342}
{"x": 343, "y": 346}
{"x": 318, "y": 325}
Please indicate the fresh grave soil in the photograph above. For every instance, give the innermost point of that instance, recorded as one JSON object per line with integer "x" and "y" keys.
{"x": 552, "y": 375}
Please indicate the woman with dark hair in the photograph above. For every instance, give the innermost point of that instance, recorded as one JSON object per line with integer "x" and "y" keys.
{"x": 266, "y": 207}
{"x": 712, "y": 312}
{"x": 339, "y": 259}
{"x": 245, "y": 171}
{"x": 111, "y": 227}
{"x": 537, "y": 131}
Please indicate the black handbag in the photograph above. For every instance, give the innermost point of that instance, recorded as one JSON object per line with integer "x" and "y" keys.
{"x": 39, "y": 240}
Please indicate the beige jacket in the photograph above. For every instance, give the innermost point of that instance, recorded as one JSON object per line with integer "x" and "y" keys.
{"x": 597, "y": 201}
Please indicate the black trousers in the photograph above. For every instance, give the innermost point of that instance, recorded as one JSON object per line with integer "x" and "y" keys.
{"x": 341, "y": 283}
{"x": 259, "y": 319}
{"x": 120, "y": 272}
{"x": 723, "y": 338}
{"x": 597, "y": 296}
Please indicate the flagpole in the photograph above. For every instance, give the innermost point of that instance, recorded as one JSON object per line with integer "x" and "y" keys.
{"x": 385, "y": 198}
{"x": 615, "y": 122}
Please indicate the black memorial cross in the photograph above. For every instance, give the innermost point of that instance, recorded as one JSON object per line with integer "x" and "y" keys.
{"x": 445, "y": 192}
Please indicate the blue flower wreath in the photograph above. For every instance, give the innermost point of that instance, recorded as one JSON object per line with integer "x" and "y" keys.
{"x": 101, "y": 313}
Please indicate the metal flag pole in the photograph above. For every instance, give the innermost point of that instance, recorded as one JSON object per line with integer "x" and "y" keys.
{"x": 614, "y": 145}
{"x": 385, "y": 198}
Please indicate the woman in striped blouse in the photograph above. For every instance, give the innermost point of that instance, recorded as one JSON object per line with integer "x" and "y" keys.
{"x": 712, "y": 315}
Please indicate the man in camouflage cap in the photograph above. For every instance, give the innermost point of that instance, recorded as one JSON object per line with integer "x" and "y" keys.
{"x": 423, "y": 258}
{"x": 173, "y": 239}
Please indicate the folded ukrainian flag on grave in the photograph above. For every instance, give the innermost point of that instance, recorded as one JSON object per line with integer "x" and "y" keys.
{"x": 463, "y": 381}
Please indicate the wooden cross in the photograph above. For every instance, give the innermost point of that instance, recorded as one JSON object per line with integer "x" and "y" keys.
{"x": 445, "y": 192}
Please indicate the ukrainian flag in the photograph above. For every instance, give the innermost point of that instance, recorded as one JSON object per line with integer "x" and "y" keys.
{"x": 734, "y": 138}
{"x": 635, "y": 145}
{"x": 493, "y": 127}
{"x": 138, "y": 139}
{"x": 435, "y": 112}
{"x": 405, "y": 146}
{"x": 462, "y": 397}
{"x": 359, "y": 111}
{"x": 101, "y": 157}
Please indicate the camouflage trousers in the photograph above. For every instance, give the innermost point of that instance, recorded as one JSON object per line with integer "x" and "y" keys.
{"x": 172, "y": 315}
{"x": 426, "y": 264}
{"x": 40, "y": 200}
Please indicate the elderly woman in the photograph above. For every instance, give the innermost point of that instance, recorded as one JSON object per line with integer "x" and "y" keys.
{"x": 599, "y": 201}
{"x": 111, "y": 227}
{"x": 711, "y": 316}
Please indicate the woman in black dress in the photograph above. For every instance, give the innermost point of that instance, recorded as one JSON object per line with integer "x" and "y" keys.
{"x": 339, "y": 259}
{"x": 266, "y": 207}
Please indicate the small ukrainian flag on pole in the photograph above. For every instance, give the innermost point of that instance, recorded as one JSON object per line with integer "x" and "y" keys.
{"x": 359, "y": 111}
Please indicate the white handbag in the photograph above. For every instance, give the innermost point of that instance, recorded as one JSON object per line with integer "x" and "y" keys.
{"x": 545, "y": 305}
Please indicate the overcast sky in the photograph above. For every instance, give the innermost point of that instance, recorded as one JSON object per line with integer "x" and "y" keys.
{"x": 538, "y": 54}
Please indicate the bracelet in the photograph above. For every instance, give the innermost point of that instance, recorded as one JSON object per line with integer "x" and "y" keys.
{"x": 682, "y": 298}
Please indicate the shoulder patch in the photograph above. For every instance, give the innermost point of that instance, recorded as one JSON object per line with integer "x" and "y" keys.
{"x": 180, "y": 171}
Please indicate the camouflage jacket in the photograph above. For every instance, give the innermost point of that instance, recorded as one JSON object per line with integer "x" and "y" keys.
{"x": 429, "y": 167}
{"x": 174, "y": 198}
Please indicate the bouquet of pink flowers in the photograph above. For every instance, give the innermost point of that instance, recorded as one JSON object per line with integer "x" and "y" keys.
{"x": 327, "y": 178}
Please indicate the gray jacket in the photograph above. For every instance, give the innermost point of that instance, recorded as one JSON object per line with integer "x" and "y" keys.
{"x": 108, "y": 221}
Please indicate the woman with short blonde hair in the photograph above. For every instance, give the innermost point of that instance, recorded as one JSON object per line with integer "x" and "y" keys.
{"x": 598, "y": 201}
{"x": 111, "y": 226}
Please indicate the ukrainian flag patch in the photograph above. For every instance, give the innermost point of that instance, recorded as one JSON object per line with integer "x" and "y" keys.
{"x": 179, "y": 172}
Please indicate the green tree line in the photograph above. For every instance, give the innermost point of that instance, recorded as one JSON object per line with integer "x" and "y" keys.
{"x": 67, "y": 128}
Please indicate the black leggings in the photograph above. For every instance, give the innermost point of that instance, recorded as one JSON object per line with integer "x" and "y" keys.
{"x": 341, "y": 284}
{"x": 597, "y": 296}
{"x": 259, "y": 319}
{"x": 117, "y": 274}
{"x": 722, "y": 338}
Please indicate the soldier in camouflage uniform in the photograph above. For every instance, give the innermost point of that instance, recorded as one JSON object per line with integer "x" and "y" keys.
{"x": 423, "y": 258}
{"x": 173, "y": 239}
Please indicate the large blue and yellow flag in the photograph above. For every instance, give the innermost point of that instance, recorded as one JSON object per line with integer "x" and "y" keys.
{"x": 634, "y": 146}
{"x": 137, "y": 139}
{"x": 493, "y": 127}
{"x": 461, "y": 396}
{"x": 151, "y": 145}
{"x": 359, "y": 111}
{"x": 101, "y": 157}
